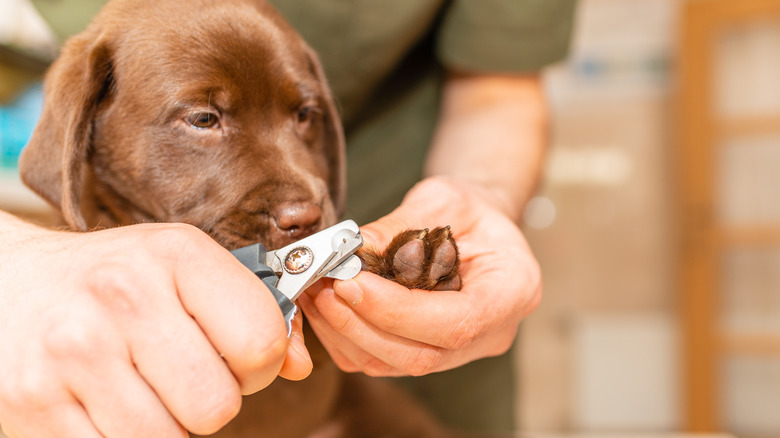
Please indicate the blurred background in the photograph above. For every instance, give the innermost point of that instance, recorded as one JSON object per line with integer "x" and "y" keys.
{"x": 657, "y": 224}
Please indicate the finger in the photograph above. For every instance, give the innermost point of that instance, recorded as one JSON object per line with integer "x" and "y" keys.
{"x": 297, "y": 364}
{"x": 467, "y": 324}
{"x": 94, "y": 361}
{"x": 235, "y": 310}
{"x": 120, "y": 403}
{"x": 146, "y": 325}
{"x": 403, "y": 354}
{"x": 186, "y": 373}
{"x": 333, "y": 342}
{"x": 444, "y": 319}
{"x": 63, "y": 421}
{"x": 67, "y": 421}
{"x": 492, "y": 274}
{"x": 347, "y": 356}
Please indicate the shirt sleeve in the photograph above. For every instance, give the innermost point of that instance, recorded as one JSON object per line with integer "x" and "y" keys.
{"x": 504, "y": 35}
{"x": 68, "y": 17}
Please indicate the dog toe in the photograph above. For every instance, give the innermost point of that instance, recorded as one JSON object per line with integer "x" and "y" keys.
{"x": 419, "y": 259}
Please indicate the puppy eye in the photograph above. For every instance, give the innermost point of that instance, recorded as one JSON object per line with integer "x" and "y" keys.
{"x": 202, "y": 120}
{"x": 307, "y": 113}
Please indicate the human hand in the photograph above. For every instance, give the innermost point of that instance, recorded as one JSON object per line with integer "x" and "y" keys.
{"x": 145, "y": 330}
{"x": 372, "y": 325}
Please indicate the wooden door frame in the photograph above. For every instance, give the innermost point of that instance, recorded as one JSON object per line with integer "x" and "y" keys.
{"x": 700, "y": 237}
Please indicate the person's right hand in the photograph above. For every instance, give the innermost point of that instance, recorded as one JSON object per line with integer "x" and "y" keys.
{"x": 147, "y": 330}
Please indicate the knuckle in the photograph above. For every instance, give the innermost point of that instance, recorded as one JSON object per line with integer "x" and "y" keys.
{"x": 463, "y": 334}
{"x": 391, "y": 319}
{"x": 215, "y": 412}
{"x": 425, "y": 361}
{"x": 377, "y": 368}
{"x": 176, "y": 232}
{"x": 346, "y": 365}
{"x": 74, "y": 339}
{"x": 373, "y": 366}
{"x": 506, "y": 342}
{"x": 502, "y": 342}
{"x": 180, "y": 235}
{"x": 341, "y": 321}
{"x": 227, "y": 405}
{"x": 532, "y": 303}
{"x": 363, "y": 363}
{"x": 170, "y": 240}
{"x": 118, "y": 288}
{"x": 277, "y": 348}
{"x": 536, "y": 295}
{"x": 28, "y": 390}
{"x": 257, "y": 352}
{"x": 531, "y": 293}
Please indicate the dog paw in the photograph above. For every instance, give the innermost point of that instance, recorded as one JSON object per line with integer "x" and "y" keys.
{"x": 418, "y": 259}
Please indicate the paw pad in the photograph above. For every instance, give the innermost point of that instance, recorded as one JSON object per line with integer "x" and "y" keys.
{"x": 418, "y": 259}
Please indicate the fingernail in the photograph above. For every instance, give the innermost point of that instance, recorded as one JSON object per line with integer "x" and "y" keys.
{"x": 349, "y": 291}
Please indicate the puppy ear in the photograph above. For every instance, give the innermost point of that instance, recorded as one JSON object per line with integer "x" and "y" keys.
{"x": 52, "y": 162}
{"x": 334, "y": 138}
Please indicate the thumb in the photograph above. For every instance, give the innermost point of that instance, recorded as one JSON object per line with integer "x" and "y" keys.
{"x": 297, "y": 364}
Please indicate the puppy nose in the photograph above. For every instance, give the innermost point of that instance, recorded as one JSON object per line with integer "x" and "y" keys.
{"x": 297, "y": 219}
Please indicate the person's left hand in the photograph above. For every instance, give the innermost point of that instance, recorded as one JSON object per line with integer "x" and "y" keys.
{"x": 373, "y": 325}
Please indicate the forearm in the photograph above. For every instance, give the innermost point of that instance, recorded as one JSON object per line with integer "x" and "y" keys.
{"x": 492, "y": 134}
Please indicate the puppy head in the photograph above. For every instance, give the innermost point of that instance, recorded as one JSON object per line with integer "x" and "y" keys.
{"x": 217, "y": 114}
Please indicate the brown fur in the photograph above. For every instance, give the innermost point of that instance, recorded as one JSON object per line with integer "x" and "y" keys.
{"x": 113, "y": 147}
{"x": 417, "y": 259}
{"x": 119, "y": 143}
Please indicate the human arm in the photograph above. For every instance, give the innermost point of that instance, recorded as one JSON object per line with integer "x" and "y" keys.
{"x": 145, "y": 330}
{"x": 492, "y": 136}
{"x": 483, "y": 165}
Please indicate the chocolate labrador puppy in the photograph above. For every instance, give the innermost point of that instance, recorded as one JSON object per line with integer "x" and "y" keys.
{"x": 217, "y": 114}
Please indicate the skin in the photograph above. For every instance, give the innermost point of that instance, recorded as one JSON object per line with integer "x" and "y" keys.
{"x": 190, "y": 345}
{"x": 380, "y": 328}
{"x": 118, "y": 144}
{"x": 133, "y": 325}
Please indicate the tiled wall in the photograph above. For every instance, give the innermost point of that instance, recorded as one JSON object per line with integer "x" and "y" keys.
{"x": 601, "y": 354}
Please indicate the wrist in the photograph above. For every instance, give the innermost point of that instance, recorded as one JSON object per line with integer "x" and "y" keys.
{"x": 494, "y": 195}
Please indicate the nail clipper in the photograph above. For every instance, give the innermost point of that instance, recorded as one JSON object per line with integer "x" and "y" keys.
{"x": 288, "y": 271}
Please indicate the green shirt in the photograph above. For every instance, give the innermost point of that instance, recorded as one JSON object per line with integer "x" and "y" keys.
{"x": 385, "y": 61}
